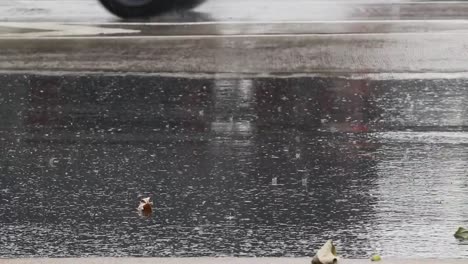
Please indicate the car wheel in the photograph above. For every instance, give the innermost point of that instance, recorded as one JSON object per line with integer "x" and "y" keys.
{"x": 145, "y": 8}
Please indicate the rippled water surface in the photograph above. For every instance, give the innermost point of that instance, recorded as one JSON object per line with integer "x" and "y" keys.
{"x": 236, "y": 167}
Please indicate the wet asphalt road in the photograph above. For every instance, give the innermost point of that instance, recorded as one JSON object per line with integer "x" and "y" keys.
{"x": 246, "y": 37}
{"x": 253, "y": 136}
{"x": 243, "y": 10}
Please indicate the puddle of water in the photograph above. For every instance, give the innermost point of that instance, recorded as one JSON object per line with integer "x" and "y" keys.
{"x": 260, "y": 167}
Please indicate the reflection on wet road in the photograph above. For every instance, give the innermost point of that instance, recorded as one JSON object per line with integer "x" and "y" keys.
{"x": 242, "y": 167}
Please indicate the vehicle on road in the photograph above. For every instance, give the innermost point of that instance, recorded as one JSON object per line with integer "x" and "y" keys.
{"x": 146, "y": 8}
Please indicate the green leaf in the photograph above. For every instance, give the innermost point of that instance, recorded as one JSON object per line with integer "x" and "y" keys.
{"x": 461, "y": 233}
{"x": 376, "y": 258}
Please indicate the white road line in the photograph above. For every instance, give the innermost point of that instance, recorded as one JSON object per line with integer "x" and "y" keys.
{"x": 21, "y": 36}
{"x": 454, "y": 21}
{"x": 92, "y": 30}
{"x": 47, "y": 29}
{"x": 224, "y": 75}
{"x": 67, "y": 25}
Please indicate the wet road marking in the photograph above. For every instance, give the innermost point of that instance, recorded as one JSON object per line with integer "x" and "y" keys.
{"x": 231, "y": 29}
{"x": 260, "y": 22}
{"x": 383, "y": 76}
{"x": 239, "y": 36}
{"x": 57, "y": 30}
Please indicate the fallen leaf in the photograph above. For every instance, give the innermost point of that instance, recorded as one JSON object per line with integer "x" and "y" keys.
{"x": 461, "y": 233}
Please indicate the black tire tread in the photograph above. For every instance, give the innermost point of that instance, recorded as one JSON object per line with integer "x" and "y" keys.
{"x": 155, "y": 7}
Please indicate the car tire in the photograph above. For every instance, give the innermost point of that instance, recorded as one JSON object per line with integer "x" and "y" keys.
{"x": 146, "y": 8}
